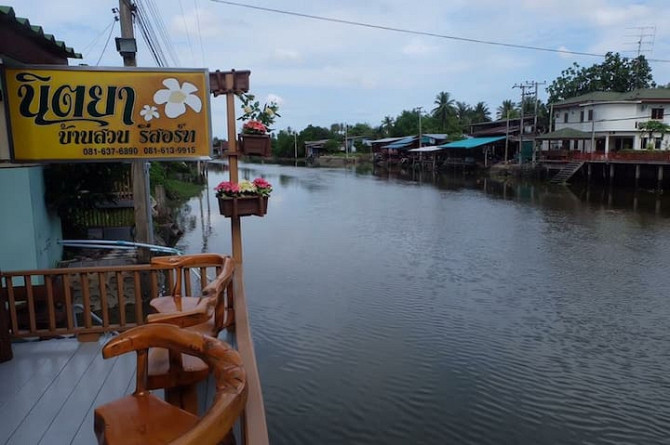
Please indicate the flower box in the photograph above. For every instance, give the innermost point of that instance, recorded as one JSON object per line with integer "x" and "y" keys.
{"x": 243, "y": 206}
{"x": 255, "y": 144}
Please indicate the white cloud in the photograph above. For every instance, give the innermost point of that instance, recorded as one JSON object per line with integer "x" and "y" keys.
{"x": 308, "y": 63}
{"x": 287, "y": 55}
{"x": 418, "y": 48}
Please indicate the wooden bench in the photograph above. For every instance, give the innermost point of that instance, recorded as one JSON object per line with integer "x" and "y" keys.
{"x": 207, "y": 314}
{"x": 142, "y": 418}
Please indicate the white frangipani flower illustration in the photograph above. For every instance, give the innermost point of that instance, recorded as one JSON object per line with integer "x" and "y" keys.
{"x": 177, "y": 97}
{"x": 149, "y": 112}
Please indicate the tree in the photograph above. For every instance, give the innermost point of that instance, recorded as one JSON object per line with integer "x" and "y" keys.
{"x": 444, "y": 108}
{"x": 387, "y": 125}
{"x": 406, "y": 124}
{"x": 651, "y": 127}
{"x": 463, "y": 112}
{"x": 480, "y": 113}
{"x": 507, "y": 110}
{"x": 616, "y": 73}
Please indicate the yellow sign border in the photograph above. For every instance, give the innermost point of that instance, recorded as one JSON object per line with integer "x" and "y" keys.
{"x": 125, "y": 110}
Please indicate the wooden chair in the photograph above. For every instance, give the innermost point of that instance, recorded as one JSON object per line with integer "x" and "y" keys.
{"x": 142, "y": 418}
{"x": 208, "y": 314}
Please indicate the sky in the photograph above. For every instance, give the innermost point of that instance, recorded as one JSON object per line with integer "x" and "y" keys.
{"x": 323, "y": 72}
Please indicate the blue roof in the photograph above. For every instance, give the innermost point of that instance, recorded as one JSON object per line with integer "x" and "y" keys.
{"x": 472, "y": 142}
{"x": 401, "y": 143}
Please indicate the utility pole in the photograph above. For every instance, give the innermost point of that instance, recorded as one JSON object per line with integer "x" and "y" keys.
{"x": 533, "y": 93}
{"x": 523, "y": 86}
{"x": 140, "y": 169}
{"x": 507, "y": 137}
{"x": 420, "y": 135}
{"x": 295, "y": 144}
{"x": 346, "y": 142}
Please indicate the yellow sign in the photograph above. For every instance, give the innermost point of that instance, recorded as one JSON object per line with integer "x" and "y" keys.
{"x": 80, "y": 113}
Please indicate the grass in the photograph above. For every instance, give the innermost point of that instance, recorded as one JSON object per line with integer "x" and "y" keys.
{"x": 181, "y": 191}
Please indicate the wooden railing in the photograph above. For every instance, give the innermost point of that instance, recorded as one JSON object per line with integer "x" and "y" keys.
{"x": 641, "y": 156}
{"x": 87, "y": 301}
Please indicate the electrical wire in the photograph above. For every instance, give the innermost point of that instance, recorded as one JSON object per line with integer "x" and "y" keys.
{"x": 149, "y": 35}
{"x": 109, "y": 36}
{"x": 95, "y": 40}
{"x": 188, "y": 34}
{"x": 197, "y": 16}
{"x": 155, "y": 13}
{"x": 420, "y": 33}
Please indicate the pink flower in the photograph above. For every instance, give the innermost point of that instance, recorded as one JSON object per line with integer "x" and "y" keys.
{"x": 254, "y": 127}
{"x": 227, "y": 188}
{"x": 259, "y": 187}
{"x": 262, "y": 183}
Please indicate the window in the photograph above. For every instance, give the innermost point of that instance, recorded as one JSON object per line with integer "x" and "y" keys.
{"x": 590, "y": 115}
{"x": 657, "y": 113}
{"x": 565, "y": 118}
{"x": 581, "y": 116}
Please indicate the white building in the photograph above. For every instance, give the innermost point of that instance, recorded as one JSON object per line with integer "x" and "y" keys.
{"x": 612, "y": 120}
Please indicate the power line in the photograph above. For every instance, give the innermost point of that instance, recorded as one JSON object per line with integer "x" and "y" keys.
{"x": 188, "y": 34}
{"x": 197, "y": 16}
{"x": 109, "y": 36}
{"x": 95, "y": 40}
{"x": 154, "y": 12}
{"x": 149, "y": 35}
{"x": 421, "y": 33}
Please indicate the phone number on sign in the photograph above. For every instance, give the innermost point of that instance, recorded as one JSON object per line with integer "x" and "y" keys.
{"x": 168, "y": 150}
{"x": 133, "y": 151}
{"x": 110, "y": 151}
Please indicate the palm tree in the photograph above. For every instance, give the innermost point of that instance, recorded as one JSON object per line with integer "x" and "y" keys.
{"x": 444, "y": 108}
{"x": 481, "y": 113}
{"x": 507, "y": 109}
{"x": 463, "y": 111}
{"x": 387, "y": 125}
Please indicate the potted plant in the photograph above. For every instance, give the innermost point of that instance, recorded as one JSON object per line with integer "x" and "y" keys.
{"x": 243, "y": 199}
{"x": 254, "y": 139}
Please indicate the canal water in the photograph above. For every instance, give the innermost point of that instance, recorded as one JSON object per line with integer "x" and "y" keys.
{"x": 393, "y": 309}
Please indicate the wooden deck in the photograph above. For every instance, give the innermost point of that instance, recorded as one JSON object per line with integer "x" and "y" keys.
{"x": 48, "y": 391}
{"x": 50, "y": 388}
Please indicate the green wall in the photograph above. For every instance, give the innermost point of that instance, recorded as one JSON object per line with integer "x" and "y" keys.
{"x": 29, "y": 234}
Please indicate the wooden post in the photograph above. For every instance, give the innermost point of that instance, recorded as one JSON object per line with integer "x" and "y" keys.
{"x": 235, "y": 225}
{"x": 5, "y": 340}
{"x": 611, "y": 173}
{"x": 140, "y": 169}
{"x": 660, "y": 178}
{"x": 588, "y": 169}
{"x": 637, "y": 174}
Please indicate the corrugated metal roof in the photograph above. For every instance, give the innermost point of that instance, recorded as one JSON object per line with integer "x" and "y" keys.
{"x": 384, "y": 140}
{"x": 402, "y": 143}
{"x": 565, "y": 133}
{"x": 613, "y": 96}
{"x": 426, "y": 149}
{"x": 48, "y": 41}
{"x": 472, "y": 142}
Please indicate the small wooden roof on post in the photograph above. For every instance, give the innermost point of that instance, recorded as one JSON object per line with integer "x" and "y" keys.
{"x": 230, "y": 83}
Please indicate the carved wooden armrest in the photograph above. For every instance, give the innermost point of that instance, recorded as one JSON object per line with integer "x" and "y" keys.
{"x": 202, "y": 313}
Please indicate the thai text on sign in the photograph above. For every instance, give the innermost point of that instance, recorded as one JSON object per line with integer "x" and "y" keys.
{"x": 109, "y": 114}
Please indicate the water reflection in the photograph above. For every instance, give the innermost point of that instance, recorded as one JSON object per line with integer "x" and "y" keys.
{"x": 400, "y": 307}
{"x": 539, "y": 193}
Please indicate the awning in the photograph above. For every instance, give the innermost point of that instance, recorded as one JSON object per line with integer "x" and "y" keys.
{"x": 472, "y": 142}
{"x": 565, "y": 134}
{"x": 426, "y": 149}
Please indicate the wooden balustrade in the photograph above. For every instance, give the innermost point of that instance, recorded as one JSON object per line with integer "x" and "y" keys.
{"x": 90, "y": 300}
{"x": 41, "y": 303}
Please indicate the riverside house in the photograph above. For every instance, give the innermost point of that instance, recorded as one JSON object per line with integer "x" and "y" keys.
{"x": 607, "y": 122}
